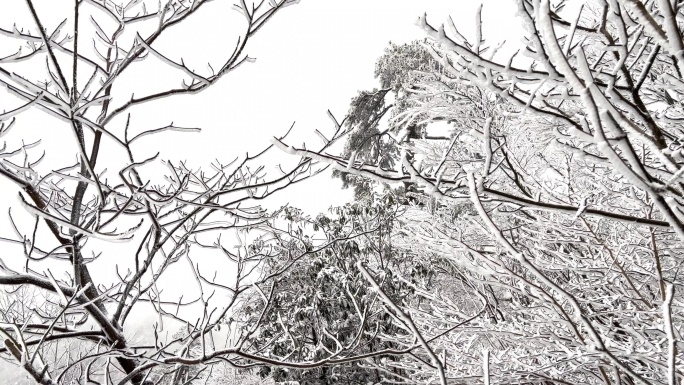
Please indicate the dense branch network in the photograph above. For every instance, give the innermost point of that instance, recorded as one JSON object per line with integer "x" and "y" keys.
{"x": 74, "y": 324}
{"x": 553, "y": 211}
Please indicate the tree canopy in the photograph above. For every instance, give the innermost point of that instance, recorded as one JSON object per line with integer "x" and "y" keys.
{"x": 535, "y": 240}
{"x": 552, "y": 213}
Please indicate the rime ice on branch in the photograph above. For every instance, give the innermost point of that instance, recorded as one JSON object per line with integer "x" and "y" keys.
{"x": 556, "y": 203}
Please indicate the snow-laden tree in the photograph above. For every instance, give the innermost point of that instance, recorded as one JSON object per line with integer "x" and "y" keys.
{"x": 555, "y": 222}
{"x": 366, "y": 140}
{"x": 323, "y": 305}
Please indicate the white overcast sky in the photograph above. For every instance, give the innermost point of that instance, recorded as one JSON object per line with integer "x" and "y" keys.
{"x": 311, "y": 57}
{"x": 319, "y": 53}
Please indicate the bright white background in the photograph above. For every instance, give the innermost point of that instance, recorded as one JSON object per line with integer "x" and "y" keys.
{"x": 311, "y": 57}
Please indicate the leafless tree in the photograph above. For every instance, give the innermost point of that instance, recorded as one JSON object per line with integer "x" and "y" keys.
{"x": 72, "y": 75}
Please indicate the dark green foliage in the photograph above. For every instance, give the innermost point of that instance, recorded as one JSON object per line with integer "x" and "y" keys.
{"x": 397, "y": 69}
{"x": 319, "y": 296}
